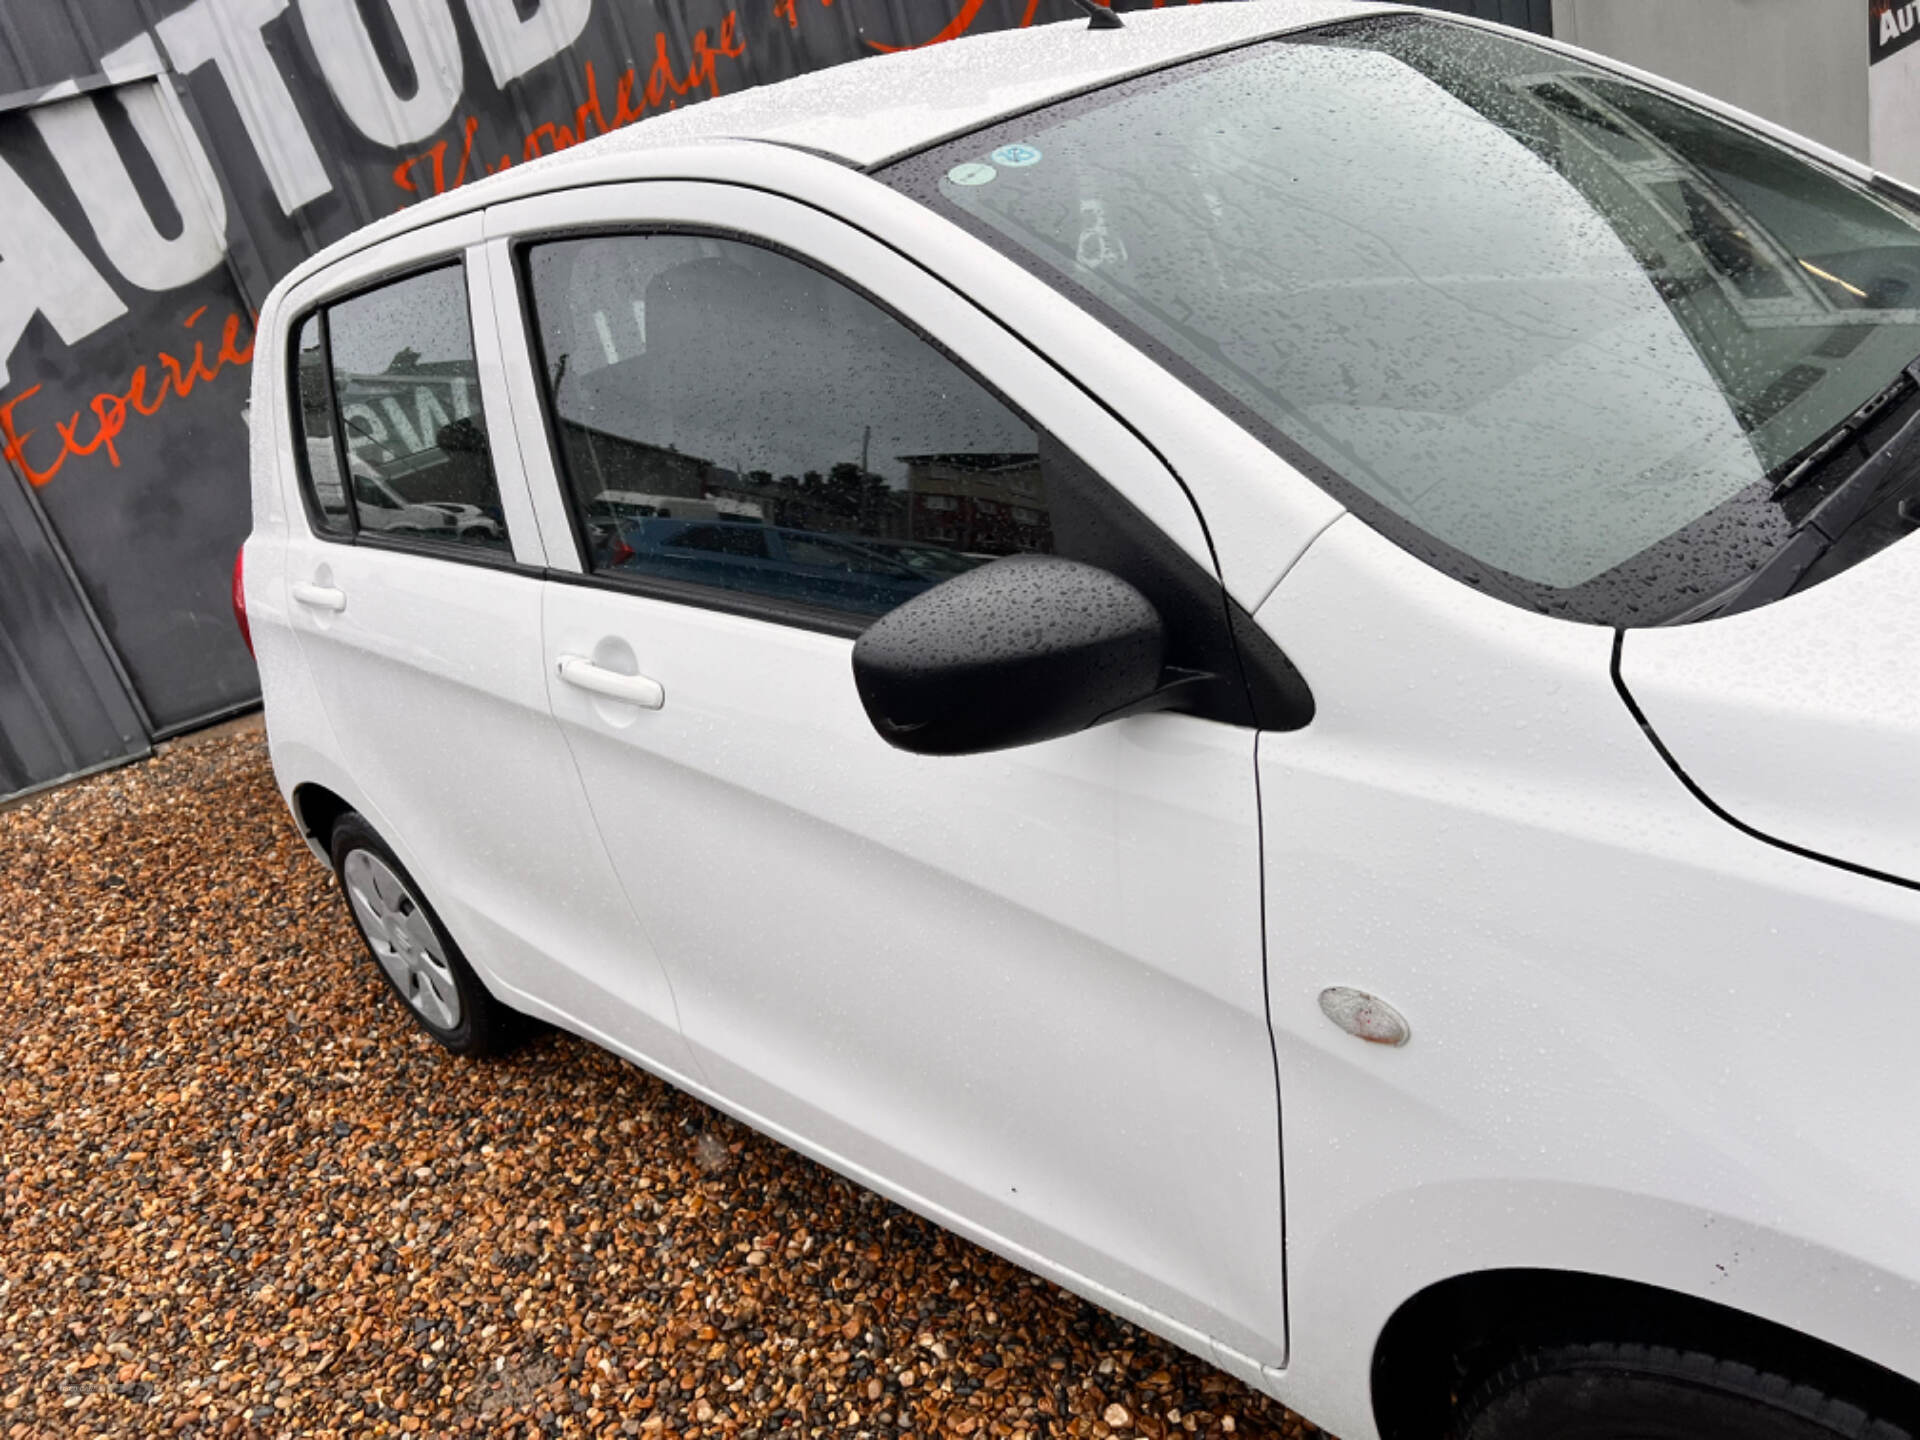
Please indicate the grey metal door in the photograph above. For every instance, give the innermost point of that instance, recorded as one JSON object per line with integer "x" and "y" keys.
{"x": 63, "y": 707}
{"x": 135, "y": 451}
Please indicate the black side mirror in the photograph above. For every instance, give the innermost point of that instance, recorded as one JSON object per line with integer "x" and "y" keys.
{"x": 1028, "y": 648}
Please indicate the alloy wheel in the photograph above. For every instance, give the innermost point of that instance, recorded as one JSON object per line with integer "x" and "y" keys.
{"x": 402, "y": 939}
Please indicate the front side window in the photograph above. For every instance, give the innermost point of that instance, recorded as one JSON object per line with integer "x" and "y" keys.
{"x": 1548, "y": 327}
{"x": 730, "y": 418}
{"x": 406, "y": 409}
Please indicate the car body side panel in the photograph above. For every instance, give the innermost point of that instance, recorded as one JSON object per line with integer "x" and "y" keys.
{"x": 1800, "y": 718}
{"x": 283, "y": 670}
{"x": 1026, "y": 986}
{"x": 1630, "y": 1022}
{"x": 428, "y": 689}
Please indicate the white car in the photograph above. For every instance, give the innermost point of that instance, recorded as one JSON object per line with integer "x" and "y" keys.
{"x": 379, "y": 506}
{"x": 1401, "y": 880}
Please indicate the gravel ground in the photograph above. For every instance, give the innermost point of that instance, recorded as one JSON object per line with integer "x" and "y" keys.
{"x": 241, "y": 1194}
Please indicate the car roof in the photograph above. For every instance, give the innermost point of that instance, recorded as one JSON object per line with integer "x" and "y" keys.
{"x": 867, "y": 112}
{"x": 889, "y": 105}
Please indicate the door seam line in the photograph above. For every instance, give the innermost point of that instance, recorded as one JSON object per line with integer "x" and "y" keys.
{"x": 606, "y": 850}
{"x": 1694, "y": 789}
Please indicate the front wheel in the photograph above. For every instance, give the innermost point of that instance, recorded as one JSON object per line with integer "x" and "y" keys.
{"x": 1647, "y": 1392}
{"x": 412, "y": 949}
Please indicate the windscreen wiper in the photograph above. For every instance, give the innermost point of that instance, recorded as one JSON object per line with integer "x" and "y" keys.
{"x": 1826, "y": 522}
{"x": 1844, "y": 433}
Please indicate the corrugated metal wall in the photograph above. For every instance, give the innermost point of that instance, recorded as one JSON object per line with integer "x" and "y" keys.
{"x": 64, "y": 707}
{"x": 161, "y": 163}
{"x": 1534, "y": 15}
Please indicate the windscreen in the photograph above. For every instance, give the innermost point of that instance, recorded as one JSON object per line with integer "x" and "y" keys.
{"x": 1545, "y": 324}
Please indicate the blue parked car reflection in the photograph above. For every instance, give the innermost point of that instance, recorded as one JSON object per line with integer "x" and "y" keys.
{"x": 853, "y": 573}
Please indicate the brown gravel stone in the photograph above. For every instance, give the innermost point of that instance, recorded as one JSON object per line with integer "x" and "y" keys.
{"x": 240, "y": 1194}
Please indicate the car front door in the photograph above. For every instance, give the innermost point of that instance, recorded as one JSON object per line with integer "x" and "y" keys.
{"x": 1021, "y": 991}
{"x": 423, "y": 636}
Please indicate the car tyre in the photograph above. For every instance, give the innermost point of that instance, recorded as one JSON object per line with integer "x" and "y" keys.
{"x": 1646, "y": 1392}
{"x": 411, "y": 948}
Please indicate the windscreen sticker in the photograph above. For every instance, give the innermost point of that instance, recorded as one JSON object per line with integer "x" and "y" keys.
{"x": 972, "y": 173}
{"x": 1016, "y": 156}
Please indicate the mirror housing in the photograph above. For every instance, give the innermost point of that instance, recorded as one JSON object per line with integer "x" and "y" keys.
{"x": 1025, "y": 649}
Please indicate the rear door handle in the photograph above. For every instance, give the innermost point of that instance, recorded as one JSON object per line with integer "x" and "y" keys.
{"x": 320, "y": 597}
{"x": 583, "y": 674}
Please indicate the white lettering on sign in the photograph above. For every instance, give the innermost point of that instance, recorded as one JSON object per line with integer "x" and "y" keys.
{"x": 388, "y": 419}
{"x": 338, "y": 34}
{"x": 43, "y": 272}
{"x": 514, "y": 46}
{"x": 227, "y": 34}
{"x": 76, "y": 135}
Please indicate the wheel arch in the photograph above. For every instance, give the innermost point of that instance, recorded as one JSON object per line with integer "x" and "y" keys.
{"x": 1441, "y": 1341}
{"x": 317, "y": 806}
{"x": 317, "y": 810}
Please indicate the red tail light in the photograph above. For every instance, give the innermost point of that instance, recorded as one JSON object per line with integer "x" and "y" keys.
{"x": 240, "y": 597}
{"x": 619, "y": 552}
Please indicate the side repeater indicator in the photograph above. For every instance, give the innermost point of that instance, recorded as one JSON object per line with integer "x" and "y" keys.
{"x": 1366, "y": 1016}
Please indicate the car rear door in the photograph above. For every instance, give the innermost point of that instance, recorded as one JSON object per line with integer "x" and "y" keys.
{"x": 415, "y": 592}
{"x": 1022, "y": 991}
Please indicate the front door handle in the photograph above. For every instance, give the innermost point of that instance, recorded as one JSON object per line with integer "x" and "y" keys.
{"x": 320, "y": 597}
{"x": 583, "y": 674}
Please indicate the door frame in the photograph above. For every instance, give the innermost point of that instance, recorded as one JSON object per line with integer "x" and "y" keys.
{"x": 1013, "y": 366}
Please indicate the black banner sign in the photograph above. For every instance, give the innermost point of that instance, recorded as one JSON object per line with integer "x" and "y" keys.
{"x": 162, "y": 162}
{"x": 1892, "y": 25}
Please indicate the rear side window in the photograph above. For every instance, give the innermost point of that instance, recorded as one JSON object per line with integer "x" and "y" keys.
{"x": 394, "y": 390}
{"x": 730, "y": 418}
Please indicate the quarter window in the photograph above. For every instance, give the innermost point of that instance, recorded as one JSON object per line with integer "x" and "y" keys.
{"x": 389, "y": 378}
{"x": 731, "y": 418}
{"x": 314, "y": 431}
